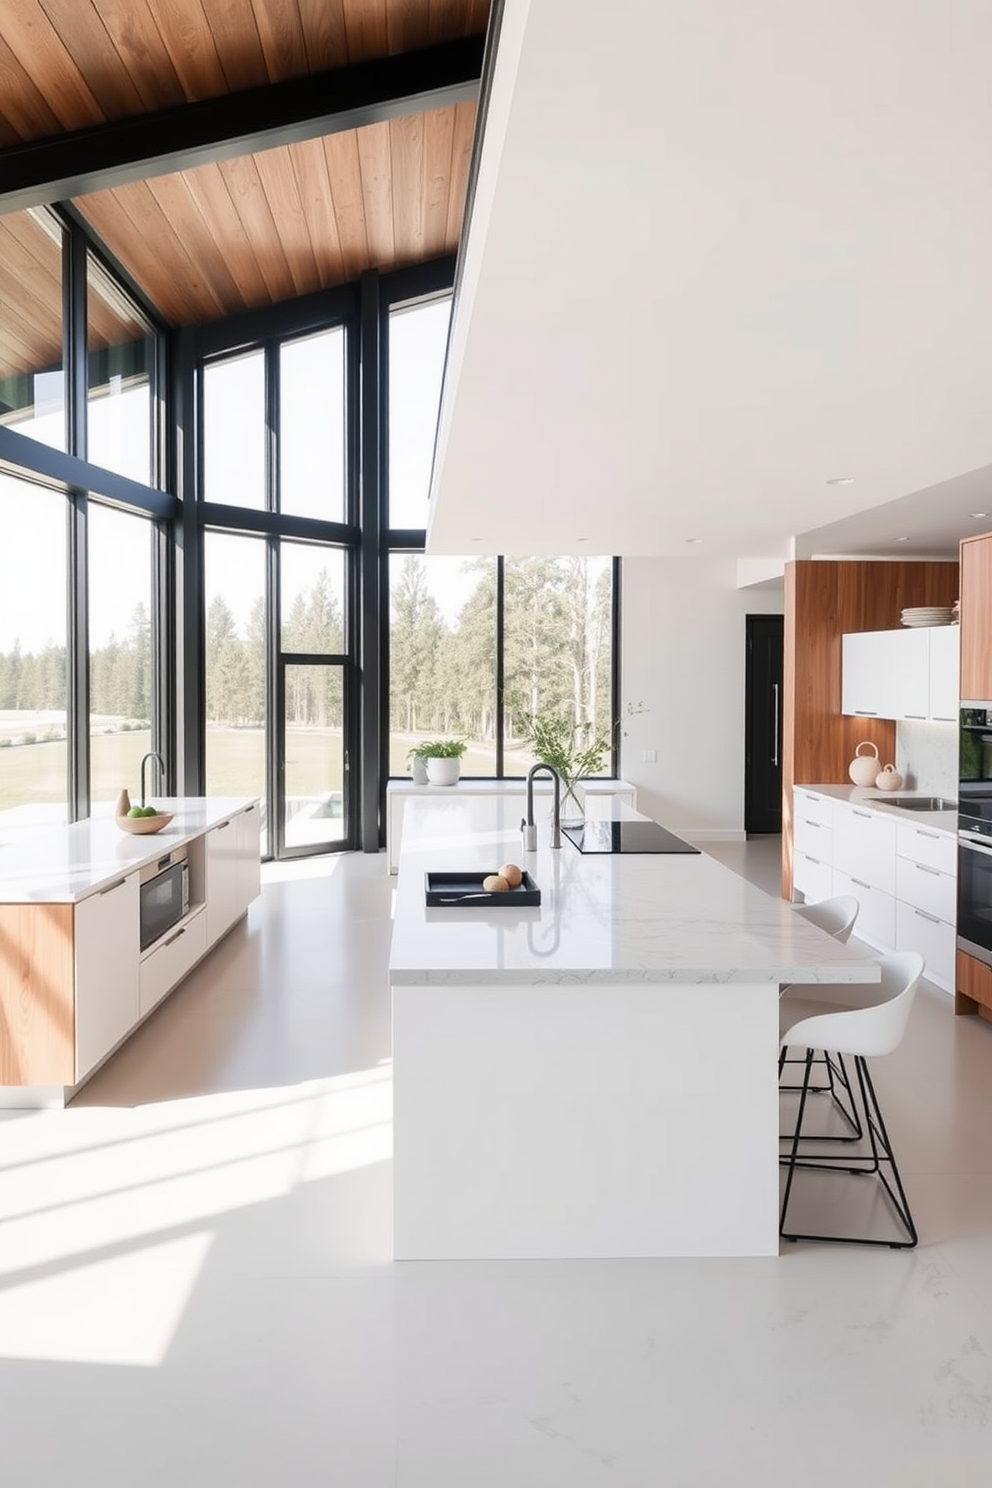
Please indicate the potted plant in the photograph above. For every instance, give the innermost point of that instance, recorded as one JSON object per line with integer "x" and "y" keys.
{"x": 443, "y": 758}
{"x": 576, "y": 750}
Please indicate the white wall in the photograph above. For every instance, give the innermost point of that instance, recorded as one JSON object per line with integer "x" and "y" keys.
{"x": 683, "y": 656}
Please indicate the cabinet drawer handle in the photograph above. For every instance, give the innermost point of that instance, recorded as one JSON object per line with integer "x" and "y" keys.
{"x": 223, "y": 827}
{"x": 861, "y": 883}
{"x": 866, "y": 712}
{"x": 943, "y": 718}
{"x": 924, "y": 868}
{"x": 924, "y": 916}
{"x": 921, "y": 833}
{"x": 920, "y": 716}
{"x": 173, "y": 938}
{"x": 111, "y": 887}
{"x": 813, "y": 860}
{"x": 812, "y": 823}
{"x": 865, "y": 814}
{"x": 248, "y": 808}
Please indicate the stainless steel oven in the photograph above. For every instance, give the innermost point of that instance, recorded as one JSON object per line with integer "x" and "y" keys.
{"x": 975, "y": 831}
{"x": 163, "y": 888}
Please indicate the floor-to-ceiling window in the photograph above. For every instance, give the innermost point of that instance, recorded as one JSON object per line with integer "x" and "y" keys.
{"x": 33, "y": 657}
{"x": 480, "y": 647}
{"x": 276, "y": 504}
{"x": 85, "y": 609}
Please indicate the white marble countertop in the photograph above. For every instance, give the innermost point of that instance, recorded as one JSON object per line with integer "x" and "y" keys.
{"x": 612, "y": 919}
{"x": 63, "y": 864}
{"x": 863, "y": 795}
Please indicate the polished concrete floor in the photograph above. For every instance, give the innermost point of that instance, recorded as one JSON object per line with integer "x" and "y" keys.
{"x": 196, "y": 1288}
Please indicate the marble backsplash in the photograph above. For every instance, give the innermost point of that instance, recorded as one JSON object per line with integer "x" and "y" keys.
{"x": 927, "y": 757}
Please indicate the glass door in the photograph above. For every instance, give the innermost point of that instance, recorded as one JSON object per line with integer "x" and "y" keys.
{"x": 313, "y": 806}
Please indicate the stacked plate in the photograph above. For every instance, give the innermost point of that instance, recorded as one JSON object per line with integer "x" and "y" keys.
{"x": 928, "y": 615}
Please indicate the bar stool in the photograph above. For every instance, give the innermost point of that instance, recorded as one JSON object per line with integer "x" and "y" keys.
{"x": 863, "y": 1022}
{"x": 837, "y": 917}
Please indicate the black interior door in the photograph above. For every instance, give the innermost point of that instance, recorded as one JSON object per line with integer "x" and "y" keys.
{"x": 763, "y": 724}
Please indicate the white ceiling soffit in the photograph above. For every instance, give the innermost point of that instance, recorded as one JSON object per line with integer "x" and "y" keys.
{"x": 720, "y": 255}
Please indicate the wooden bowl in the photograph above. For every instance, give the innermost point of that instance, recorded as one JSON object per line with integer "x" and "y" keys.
{"x": 142, "y": 825}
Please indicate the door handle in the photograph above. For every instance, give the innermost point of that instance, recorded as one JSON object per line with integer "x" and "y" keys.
{"x": 775, "y": 722}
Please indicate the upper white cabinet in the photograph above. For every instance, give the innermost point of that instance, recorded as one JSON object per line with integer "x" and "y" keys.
{"x": 909, "y": 673}
{"x": 945, "y": 656}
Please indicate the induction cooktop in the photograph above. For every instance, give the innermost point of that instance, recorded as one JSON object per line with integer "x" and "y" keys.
{"x": 625, "y": 837}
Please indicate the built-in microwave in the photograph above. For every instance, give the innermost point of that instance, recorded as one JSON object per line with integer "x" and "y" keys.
{"x": 163, "y": 895}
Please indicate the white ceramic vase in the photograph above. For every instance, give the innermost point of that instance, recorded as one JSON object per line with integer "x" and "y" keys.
{"x": 418, "y": 769}
{"x": 443, "y": 771}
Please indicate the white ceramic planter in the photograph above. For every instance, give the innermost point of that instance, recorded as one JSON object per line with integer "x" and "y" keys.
{"x": 443, "y": 771}
{"x": 418, "y": 769}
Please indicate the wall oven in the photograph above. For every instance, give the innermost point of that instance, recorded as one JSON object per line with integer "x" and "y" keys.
{"x": 163, "y": 888}
{"x": 975, "y": 832}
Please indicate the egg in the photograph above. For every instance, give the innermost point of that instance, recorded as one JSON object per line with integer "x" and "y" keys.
{"x": 495, "y": 883}
{"x": 512, "y": 874}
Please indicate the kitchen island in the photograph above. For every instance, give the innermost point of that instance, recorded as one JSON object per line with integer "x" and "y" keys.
{"x": 595, "y": 1076}
{"x": 77, "y": 975}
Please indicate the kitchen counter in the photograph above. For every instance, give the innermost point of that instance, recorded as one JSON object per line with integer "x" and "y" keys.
{"x": 61, "y": 864}
{"x": 608, "y": 919}
{"x": 889, "y": 801}
{"x": 596, "y": 1076}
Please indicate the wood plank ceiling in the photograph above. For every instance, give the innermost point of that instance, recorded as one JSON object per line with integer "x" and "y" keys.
{"x": 233, "y": 234}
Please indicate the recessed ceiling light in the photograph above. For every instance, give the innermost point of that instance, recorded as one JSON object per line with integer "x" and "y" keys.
{"x": 841, "y": 480}
{"x": 978, "y": 514}
{"x": 693, "y": 539}
{"x": 900, "y": 539}
{"x": 478, "y": 539}
{"x": 582, "y": 539}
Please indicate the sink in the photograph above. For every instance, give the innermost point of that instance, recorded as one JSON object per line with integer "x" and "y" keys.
{"x": 918, "y": 803}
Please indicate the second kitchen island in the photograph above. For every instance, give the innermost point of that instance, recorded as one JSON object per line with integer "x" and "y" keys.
{"x": 595, "y": 1076}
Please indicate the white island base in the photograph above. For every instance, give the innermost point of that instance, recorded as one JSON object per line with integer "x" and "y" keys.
{"x": 584, "y": 1121}
{"x": 595, "y": 1076}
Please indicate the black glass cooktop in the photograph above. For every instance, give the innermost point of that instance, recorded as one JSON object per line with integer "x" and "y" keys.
{"x": 625, "y": 837}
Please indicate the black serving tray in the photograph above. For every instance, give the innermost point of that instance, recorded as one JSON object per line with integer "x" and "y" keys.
{"x": 451, "y": 889}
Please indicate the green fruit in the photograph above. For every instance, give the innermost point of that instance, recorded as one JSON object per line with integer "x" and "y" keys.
{"x": 150, "y": 811}
{"x": 136, "y": 811}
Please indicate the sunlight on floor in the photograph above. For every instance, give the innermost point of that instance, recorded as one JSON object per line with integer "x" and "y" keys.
{"x": 78, "y": 1185}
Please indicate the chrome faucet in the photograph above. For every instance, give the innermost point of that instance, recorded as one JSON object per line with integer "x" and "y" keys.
{"x": 527, "y": 825}
{"x": 152, "y": 754}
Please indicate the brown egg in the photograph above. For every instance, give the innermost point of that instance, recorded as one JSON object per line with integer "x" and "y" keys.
{"x": 512, "y": 874}
{"x": 495, "y": 883}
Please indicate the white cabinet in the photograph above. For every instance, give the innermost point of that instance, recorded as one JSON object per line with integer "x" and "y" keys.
{"x": 902, "y": 873}
{"x": 865, "y": 845}
{"x": 165, "y": 966}
{"x": 223, "y": 874}
{"x": 106, "y": 940}
{"x": 876, "y": 922}
{"x": 945, "y": 659}
{"x": 249, "y": 856}
{"x": 910, "y": 673}
{"x": 933, "y": 938}
{"x": 926, "y": 891}
{"x": 812, "y": 877}
{"x": 232, "y": 870}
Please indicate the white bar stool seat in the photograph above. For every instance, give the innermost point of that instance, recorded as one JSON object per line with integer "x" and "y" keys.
{"x": 863, "y": 1022}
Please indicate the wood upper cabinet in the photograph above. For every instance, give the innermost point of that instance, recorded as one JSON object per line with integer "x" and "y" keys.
{"x": 976, "y": 619}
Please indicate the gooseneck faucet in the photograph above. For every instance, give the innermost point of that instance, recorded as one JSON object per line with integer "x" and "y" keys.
{"x": 152, "y": 754}
{"x": 527, "y": 825}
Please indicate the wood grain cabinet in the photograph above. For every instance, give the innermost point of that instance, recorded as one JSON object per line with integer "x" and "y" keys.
{"x": 976, "y": 619}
